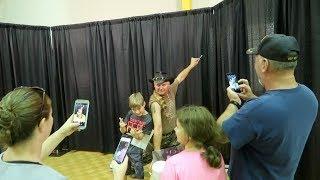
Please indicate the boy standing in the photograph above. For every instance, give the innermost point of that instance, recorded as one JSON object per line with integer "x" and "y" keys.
{"x": 137, "y": 123}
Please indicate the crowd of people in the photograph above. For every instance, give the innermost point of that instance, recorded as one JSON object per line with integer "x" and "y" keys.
{"x": 267, "y": 133}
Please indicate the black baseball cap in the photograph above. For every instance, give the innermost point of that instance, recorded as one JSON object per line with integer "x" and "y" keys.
{"x": 277, "y": 47}
{"x": 161, "y": 77}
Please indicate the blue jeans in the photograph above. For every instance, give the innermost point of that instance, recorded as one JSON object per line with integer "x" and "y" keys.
{"x": 135, "y": 157}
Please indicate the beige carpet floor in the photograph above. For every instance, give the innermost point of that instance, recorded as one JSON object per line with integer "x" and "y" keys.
{"x": 84, "y": 165}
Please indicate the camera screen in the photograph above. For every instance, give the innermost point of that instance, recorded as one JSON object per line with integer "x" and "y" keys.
{"x": 121, "y": 151}
{"x": 80, "y": 113}
{"x": 233, "y": 82}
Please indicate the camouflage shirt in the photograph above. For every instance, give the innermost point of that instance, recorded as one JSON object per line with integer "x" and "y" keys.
{"x": 168, "y": 113}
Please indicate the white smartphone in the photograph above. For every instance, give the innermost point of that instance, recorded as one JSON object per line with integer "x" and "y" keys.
{"x": 122, "y": 149}
{"x": 80, "y": 112}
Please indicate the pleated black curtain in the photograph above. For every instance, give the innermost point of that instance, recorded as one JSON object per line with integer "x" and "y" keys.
{"x": 259, "y": 22}
{"x": 24, "y": 56}
{"x": 26, "y": 59}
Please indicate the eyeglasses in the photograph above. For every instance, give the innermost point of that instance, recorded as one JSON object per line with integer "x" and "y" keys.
{"x": 36, "y": 88}
{"x": 158, "y": 78}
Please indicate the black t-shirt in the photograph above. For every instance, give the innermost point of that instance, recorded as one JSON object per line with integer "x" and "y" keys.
{"x": 144, "y": 121}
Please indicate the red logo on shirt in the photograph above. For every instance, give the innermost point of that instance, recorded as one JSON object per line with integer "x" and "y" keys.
{"x": 135, "y": 124}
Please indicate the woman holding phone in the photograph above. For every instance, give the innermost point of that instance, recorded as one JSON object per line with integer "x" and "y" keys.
{"x": 25, "y": 125}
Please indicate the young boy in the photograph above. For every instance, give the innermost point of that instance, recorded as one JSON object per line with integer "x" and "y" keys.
{"x": 137, "y": 123}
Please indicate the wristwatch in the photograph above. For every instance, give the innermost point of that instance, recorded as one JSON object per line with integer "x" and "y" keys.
{"x": 235, "y": 103}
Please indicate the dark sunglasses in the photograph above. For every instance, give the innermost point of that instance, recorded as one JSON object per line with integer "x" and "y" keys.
{"x": 36, "y": 88}
{"x": 158, "y": 78}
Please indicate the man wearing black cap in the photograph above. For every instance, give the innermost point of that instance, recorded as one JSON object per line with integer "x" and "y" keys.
{"x": 268, "y": 133}
{"x": 163, "y": 106}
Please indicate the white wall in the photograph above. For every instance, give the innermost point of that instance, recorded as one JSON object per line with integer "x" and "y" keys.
{"x": 58, "y": 12}
{"x": 204, "y": 3}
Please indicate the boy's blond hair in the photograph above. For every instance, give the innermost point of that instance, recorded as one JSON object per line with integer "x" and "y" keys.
{"x": 136, "y": 100}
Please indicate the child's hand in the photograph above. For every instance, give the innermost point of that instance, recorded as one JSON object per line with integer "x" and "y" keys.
{"x": 138, "y": 134}
{"x": 133, "y": 131}
{"x": 136, "y": 131}
{"x": 121, "y": 123}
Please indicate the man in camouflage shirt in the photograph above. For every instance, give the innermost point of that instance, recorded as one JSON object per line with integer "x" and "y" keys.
{"x": 163, "y": 106}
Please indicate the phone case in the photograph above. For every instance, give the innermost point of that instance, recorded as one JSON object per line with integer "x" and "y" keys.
{"x": 81, "y": 111}
{"x": 122, "y": 149}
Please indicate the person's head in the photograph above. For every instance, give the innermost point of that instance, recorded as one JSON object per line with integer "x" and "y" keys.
{"x": 137, "y": 104}
{"x": 79, "y": 111}
{"x": 161, "y": 83}
{"x": 276, "y": 55}
{"x": 162, "y": 88}
{"x": 25, "y": 114}
{"x": 196, "y": 125}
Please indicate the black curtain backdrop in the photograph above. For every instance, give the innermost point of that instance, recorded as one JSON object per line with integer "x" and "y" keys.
{"x": 107, "y": 61}
{"x": 21, "y": 63}
{"x": 26, "y": 59}
{"x": 259, "y": 22}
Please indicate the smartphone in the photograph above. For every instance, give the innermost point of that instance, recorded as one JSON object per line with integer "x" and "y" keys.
{"x": 122, "y": 149}
{"x": 233, "y": 82}
{"x": 80, "y": 112}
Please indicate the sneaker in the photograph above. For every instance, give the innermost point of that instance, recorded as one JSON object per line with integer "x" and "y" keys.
{"x": 130, "y": 171}
{"x": 134, "y": 176}
{"x": 112, "y": 164}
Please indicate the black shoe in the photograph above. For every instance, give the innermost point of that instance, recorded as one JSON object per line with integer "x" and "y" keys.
{"x": 130, "y": 171}
{"x": 134, "y": 176}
